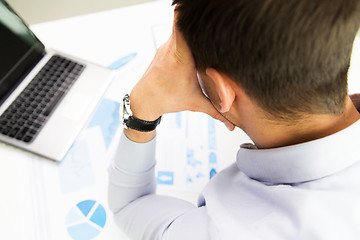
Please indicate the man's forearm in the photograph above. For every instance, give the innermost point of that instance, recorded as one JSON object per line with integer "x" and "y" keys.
{"x": 132, "y": 172}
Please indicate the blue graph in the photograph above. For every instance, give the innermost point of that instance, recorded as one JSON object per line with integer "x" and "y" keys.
{"x": 85, "y": 220}
{"x": 107, "y": 117}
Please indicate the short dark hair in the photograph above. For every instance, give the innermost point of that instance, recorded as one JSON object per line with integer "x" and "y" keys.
{"x": 291, "y": 56}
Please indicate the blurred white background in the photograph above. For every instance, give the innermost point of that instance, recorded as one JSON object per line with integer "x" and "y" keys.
{"x": 37, "y": 11}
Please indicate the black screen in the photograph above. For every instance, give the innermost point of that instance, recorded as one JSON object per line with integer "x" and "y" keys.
{"x": 20, "y": 50}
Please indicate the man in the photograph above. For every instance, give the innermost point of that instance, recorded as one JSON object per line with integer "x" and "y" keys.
{"x": 278, "y": 70}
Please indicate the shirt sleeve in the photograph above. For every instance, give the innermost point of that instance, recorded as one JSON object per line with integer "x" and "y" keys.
{"x": 138, "y": 211}
{"x": 131, "y": 173}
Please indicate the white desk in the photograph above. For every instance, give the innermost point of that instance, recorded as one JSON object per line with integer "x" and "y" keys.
{"x": 38, "y": 196}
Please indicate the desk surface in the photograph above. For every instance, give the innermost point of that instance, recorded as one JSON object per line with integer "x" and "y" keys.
{"x": 47, "y": 200}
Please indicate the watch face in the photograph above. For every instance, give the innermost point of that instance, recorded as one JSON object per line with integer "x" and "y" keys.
{"x": 125, "y": 111}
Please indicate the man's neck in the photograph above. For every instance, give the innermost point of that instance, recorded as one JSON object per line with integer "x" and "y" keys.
{"x": 271, "y": 135}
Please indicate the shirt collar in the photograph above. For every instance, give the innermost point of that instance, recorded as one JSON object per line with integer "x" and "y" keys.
{"x": 302, "y": 162}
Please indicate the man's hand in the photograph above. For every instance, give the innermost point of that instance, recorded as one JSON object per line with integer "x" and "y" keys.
{"x": 170, "y": 84}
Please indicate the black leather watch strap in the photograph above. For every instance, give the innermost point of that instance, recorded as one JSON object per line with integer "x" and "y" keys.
{"x": 142, "y": 125}
{"x": 132, "y": 122}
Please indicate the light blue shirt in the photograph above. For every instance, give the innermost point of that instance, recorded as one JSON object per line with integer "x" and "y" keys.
{"x": 305, "y": 191}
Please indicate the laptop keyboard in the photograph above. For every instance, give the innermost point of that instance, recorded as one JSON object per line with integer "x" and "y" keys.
{"x": 24, "y": 118}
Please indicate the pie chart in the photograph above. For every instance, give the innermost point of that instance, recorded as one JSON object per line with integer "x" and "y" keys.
{"x": 86, "y": 220}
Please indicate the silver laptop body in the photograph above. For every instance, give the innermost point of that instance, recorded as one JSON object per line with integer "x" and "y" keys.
{"x": 68, "y": 113}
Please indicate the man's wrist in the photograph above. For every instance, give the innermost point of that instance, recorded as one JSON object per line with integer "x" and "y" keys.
{"x": 138, "y": 119}
{"x": 143, "y": 107}
{"x": 139, "y": 137}
{"x": 135, "y": 123}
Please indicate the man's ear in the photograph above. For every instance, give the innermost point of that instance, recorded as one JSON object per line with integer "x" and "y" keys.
{"x": 224, "y": 88}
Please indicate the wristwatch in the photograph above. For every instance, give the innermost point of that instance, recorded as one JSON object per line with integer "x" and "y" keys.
{"x": 129, "y": 121}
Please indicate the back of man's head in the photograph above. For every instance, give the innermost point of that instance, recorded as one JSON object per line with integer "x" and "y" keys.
{"x": 290, "y": 56}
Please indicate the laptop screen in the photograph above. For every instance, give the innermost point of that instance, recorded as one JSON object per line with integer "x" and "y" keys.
{"x": 20, "y": 50}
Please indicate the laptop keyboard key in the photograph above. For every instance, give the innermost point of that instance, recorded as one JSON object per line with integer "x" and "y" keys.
{"x": 28, "y": 139}
{"x": 13, "y": 132}
{"x": 22, "y": 133}
{"x": 54, "y": 102}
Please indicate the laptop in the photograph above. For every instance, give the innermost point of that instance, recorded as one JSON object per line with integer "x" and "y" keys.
{"x": 46, "y": 97}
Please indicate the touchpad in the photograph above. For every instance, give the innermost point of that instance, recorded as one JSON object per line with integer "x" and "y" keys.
{"x": 74, "y": 106}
